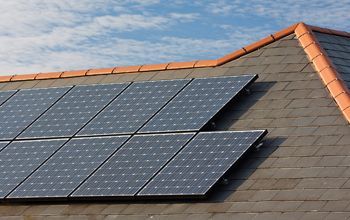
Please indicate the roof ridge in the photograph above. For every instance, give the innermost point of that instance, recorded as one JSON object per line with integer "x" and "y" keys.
{"x": 156, "y": 67}
{"x": 172, "y": 65}
{"x": 323, "y": 65}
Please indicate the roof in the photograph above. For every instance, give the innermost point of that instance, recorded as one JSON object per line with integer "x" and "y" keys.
{"x": 301, "y": 172}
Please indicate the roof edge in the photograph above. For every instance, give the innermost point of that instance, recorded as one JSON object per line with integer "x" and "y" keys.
{"x": 324, "y": 66}
{"x": 155, "y": 67}
{"x": 304, "y": 33}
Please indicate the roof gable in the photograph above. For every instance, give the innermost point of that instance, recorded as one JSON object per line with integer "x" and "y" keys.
{"x": 328, "y": 72}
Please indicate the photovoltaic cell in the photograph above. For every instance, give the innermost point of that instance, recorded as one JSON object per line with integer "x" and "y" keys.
{"x": 201, "y": 163}
{"x": 68, "y": 167}
{"x": 132, "y": 165}
{"x": 20, "y": 158}
{"x": 134, "y": 107}
{"x": 197, "y": 103}
{"x": 73, "y": 111}
{"x": 4, "y": 95}
{"x": 24, "y": 107}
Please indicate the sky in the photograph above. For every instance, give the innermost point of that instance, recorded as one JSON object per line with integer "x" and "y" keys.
{"x": 57, "y": 35}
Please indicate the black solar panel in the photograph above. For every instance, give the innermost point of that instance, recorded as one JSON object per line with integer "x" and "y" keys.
{"x": 134, "y": 107}
{"x": 195, "y": 105}
{"x": 73, "y": 111}
{"x": 24, "y": 107}
{"x": 20, "y": 158}
{"x": 201, "y": 163}
{"x": 68, "y": 167}
{"x": 132, "y": 165}
{"x": 4, "y": 95}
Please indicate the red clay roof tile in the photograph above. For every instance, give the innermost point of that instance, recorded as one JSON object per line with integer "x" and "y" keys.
{"x": 74, "y": 73}
{"x": 50, "y": 75}
{"x": 313, "y": 50}
{"x": 285, "y": 32}
{"x": 100, "y": 71}
{"x": 181, "y": 65}
{"x": 335, "y": 88}
{"x": 24, "y": 77}
{"x": 5, "y": 78}
{"x": 126, "y": 69}
{"x": 343, "y": 101}
{"x": 205, "y": 63}
{"x": 258, "y": 44}
{"x": 153, "y": 67}
{"x": 328, "y": 75}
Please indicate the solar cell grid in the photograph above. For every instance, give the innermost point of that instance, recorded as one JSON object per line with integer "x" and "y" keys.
{"x": 197, "y": 103}
{"x": 135, "y": 106}
{"x": 201, "y": 163}
{"x": 132, "y": 165}
{"x": 73, "y": 111}
{"x": 24, "y": 107}
{"x": 20, "y": 158}
{"x": 4, "y": 95}
{"x": 68, "y": 167}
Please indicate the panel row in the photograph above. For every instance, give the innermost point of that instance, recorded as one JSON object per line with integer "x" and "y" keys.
{"x": 174, "y": 164}
{"x": 114, "y": 109}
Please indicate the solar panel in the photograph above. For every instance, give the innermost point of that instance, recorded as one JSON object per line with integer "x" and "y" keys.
{"x": 201, "y": 163}
{"x": 20, "y": 158}
{"x": 197, "y": 103}
{"x": 68, "y": 167}
{"x": 134, "y": 107}
{"x": 24, "y": 107}
{"x": 4, "y": 95}
{"x": 132, "y": 165}
{"x": 73, "y": 111}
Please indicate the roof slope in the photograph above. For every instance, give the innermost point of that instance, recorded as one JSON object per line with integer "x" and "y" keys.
{"x": 301, "y": 172}
{"x": 337, "y": 43}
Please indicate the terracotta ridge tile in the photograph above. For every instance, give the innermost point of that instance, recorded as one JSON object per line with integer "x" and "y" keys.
{"x": 49, "y": 75}
{"x": 6, "y": 78}
{"x": 126, "y": 69}
{"x": 259, "y": 44}
{"x": 73, "y": 73}
{"x": 22, "y": 77}
{"x": 100, "y": 71}
{"x": 153, "y": 67}
{"x": 229, "y": 57}
{"x": 324, "y": 66}
{"x": 206, "y": 63}
{"x": 181, "y": 65}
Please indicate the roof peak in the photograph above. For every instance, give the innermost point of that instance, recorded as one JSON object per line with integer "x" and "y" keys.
{"x": 304, "y": 33}
{"x": 174, "y": 65}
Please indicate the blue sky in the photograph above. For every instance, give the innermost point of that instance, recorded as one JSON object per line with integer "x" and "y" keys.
{"x": 55, "y": 35}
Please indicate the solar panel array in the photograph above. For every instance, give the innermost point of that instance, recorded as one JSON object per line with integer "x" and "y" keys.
{"x": 133, "y": 108}
{"x": 118, "y": 140}
{"x": 73, "y": 111}
{"x": 201, "y": 163}
{"x": 24, "y": 107}
{"x": 68, "y": 167}
{"x": 201, "y": 100}
{"x": 133, "y": 165}
{"x": 19, "y": 159}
